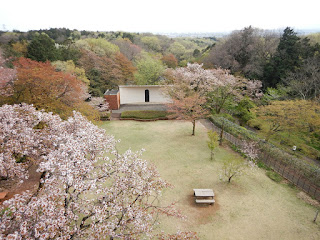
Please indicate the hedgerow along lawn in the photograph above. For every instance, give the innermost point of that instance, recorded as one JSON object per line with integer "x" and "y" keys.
{"x": 252, "y": 206}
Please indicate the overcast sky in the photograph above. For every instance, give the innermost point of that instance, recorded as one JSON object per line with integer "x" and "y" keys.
{"x": 161, "y": 16}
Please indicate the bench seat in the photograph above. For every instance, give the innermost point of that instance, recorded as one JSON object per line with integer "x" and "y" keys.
{"x": 209, "y": 201}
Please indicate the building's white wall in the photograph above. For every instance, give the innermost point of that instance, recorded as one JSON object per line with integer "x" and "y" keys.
{"x": 131, "y": 95}
{"x": 137, "y": 94}
{"x": 156, "y": 95}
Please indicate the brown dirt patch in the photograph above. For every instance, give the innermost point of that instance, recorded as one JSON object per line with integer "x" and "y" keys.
{"x": 201, "y": 213}
{"x": 13, "y": 186}
{"x": 305, "y": 197}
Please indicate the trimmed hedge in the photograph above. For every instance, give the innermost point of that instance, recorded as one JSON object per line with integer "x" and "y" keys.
{"x": 147, "y": 114}
{"x": 234, "y": 129}
{"x": 104, "y": 116}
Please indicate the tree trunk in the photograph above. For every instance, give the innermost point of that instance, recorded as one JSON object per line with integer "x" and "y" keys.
{"x": 194, "y": 127}
{"x": 315, "y": 218}
{"x": 211, "y": 155}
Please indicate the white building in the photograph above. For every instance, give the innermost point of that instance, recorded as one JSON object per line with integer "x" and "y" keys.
{"x": 133, "y": 94}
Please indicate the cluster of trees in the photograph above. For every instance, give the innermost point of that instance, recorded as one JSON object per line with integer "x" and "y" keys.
{"x": 44, "y": 86}
{"x": 113, "y": 58}
{"x": 264, "y": 55}
{"x": 108, "y": 58}
{"x": 288, "y": 66}
{"x": 291, "y": 123}
{"x": 198, "y": 92}
{"x": 87, "y": 189}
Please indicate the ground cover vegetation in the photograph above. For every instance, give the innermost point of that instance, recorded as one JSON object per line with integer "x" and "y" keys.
{"x": 291, "y": 123}
{"x": 148, "y": 114}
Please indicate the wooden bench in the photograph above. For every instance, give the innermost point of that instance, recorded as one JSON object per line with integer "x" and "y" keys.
{"x": 209, "y": 201}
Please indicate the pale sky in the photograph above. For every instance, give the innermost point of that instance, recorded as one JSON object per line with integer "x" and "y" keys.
{"x": 161, "y": 16}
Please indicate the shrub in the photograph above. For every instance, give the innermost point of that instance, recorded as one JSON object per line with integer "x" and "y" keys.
{"x": 234, "y": 129}
{"x": 104, "y": 116}
{"x": 144, "y": 114}
{"x": 255, "y": 123}
{"x": 262, "y": 165}
{"x": 274, "y": 176}
{"x": 243, "y": 110}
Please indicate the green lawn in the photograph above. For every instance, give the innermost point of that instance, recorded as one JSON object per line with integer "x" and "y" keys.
{"x": 251, "y": 207}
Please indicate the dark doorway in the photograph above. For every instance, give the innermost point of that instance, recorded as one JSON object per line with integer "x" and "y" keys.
{"x": 146, "y": 95}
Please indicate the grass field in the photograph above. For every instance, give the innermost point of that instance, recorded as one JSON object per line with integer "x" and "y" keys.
{"x": 251, "y": 207}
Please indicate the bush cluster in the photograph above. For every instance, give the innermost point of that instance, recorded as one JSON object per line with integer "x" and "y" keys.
{"x": 234, "y": 129}
{"x": 274, "y": 176}
{"x": 147, "y": 114}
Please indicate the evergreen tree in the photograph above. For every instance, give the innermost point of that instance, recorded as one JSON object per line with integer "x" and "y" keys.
{"x": 42, "y": 48}
{"x": 286, "y": 59}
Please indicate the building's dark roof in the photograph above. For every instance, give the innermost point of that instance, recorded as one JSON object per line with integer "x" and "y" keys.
{"x": 111, "y": 92}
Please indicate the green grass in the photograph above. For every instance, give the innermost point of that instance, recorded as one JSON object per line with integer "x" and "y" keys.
{"x": 144, "y": 114}
{"x": 252, "y": 206}
{"x": 274, "y": 176}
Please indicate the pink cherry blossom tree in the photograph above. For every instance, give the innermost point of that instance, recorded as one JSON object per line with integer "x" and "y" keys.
{"x": 99, "y": 103}
{"x": 194, "y": 90}
{"x": 251, "y": 150}
{"x": 234, "y": 167}
{"x": 87, "y": 189}
{"x": 187, "y": 88}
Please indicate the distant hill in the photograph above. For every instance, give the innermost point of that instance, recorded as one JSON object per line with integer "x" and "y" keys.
{"x": 308, "y": 31}
{"x": 195, "y": 34}
{"x": 223, "y": 34}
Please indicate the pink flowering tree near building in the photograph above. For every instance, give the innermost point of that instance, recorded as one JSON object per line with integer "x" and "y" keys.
{"x": 187, "y": 88}
{"x": 196, "y": 91}
{"x": 87, "y": 189}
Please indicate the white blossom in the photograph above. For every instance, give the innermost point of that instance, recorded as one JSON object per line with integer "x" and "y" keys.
{"x": 87, "y": 189}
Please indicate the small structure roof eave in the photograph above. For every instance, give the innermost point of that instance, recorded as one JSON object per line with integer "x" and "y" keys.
{"x": 143, "y": 86}
{"x": 111, "y": 92}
